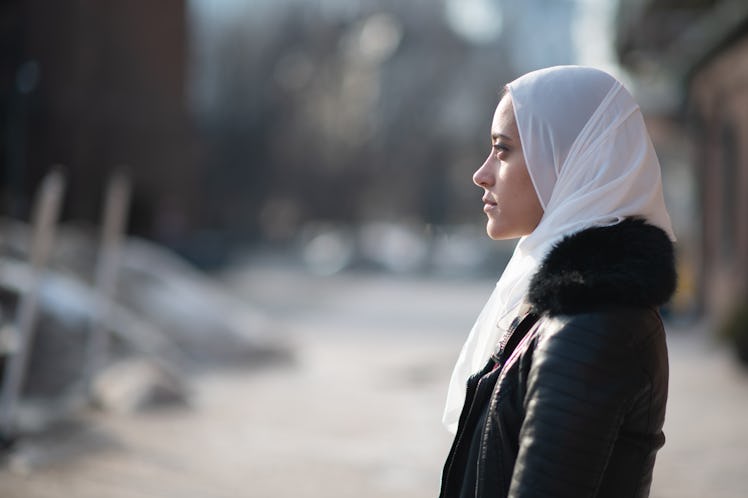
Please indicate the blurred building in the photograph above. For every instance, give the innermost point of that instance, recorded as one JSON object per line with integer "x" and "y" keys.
{"x": 691, "y": 57}
{"x": 249, "y": 120}
{"x": 93, "y": 85}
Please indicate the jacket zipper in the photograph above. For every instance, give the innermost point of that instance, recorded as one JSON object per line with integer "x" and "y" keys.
{"x": 471, "y": 393}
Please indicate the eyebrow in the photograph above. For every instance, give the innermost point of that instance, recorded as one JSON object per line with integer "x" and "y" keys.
{"x": 494, "y": 136}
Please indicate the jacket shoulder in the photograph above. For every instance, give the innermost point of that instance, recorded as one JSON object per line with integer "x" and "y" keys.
{"x": 585, "y": 390}
{"x": 607, "y": 332}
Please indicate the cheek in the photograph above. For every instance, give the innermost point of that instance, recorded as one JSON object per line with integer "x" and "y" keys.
{"x": 531, "y": 207}
{"x": 515, "y": 184}
{"x": 521, "y": 205}
{"x": 534, "y": 211}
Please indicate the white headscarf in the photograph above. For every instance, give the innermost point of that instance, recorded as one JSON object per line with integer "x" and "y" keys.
{"x": 592, "y": 164}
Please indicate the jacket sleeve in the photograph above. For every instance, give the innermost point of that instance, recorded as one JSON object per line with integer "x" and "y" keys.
{"x": 578, "y": 388}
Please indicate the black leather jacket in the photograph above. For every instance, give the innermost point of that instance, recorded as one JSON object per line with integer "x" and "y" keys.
{"x": 572, "y": 402}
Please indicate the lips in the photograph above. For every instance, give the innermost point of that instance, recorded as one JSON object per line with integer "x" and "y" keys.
{"x": 488, "y": 204}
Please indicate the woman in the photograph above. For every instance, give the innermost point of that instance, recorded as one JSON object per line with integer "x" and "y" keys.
{"x": 566, "y": 367}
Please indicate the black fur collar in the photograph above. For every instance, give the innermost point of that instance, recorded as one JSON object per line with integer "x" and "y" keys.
{"x": 631, "y": 263}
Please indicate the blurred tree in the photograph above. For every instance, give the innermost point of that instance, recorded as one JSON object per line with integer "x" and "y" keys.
{"x": 348, "y": 118}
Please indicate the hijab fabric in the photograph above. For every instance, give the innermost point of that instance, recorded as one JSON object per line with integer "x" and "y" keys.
{"x": 591, "y": 162}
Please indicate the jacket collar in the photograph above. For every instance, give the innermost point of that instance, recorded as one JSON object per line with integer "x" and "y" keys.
{"x": 631, "y": 263}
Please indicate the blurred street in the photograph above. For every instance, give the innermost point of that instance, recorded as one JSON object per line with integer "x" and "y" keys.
{"x": 357, "y": 412}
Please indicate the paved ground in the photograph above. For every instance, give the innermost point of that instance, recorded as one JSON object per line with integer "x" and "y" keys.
{"x": 357, "y": 414}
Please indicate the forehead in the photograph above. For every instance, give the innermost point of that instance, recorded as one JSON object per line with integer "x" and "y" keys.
{"x": 503, "y": 118}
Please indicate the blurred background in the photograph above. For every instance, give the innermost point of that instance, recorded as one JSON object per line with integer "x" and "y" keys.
{"x": 240, "y": 246}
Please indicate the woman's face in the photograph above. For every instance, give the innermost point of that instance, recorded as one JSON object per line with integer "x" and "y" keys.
{"x": 509, "y": 198}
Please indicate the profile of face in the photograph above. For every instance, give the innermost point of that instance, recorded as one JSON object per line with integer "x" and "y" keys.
{"x": 509, "y": 199}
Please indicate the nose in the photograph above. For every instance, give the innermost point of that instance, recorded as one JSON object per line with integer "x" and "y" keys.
{"x": 483, "y": 176}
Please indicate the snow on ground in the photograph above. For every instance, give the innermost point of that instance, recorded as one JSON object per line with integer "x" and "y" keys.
{"x": 357, "y": 412}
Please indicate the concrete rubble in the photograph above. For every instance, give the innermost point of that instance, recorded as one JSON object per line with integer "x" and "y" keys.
{"x": 168, "y": 322}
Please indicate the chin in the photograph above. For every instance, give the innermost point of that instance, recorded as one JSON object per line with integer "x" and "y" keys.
{"x": 495, "y": 232}
{"x": 502, "y": 236}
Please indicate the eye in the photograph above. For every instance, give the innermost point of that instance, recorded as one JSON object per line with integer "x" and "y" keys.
{"x": 499, "y": 147}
